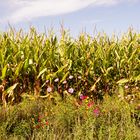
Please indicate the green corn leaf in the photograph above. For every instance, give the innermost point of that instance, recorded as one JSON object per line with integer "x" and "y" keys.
{"x": 117, "y": 55}
{"x": 109, "y": 69}
{"x": 64, "y": 77}
{"x": 123, "y": 81}
{"x": 26, "y": 64}
{"x": 4, "y": 72}
{"x": 10, "y": 90}
{"x": 54, "y": 74}
{"x": 18, "y": 69}
{"x": 33, "y": 67}
{"x": 1, "y": 57}
{"x": 49, "y": 76}
{"x": 94, "y": 85}
{"x": 132, "y": 56}
{"x": 40, "y": 73}
{"x": 137, "y": 78}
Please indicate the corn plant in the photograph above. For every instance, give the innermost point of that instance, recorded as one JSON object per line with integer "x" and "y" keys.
{"x": 34, "y": 64}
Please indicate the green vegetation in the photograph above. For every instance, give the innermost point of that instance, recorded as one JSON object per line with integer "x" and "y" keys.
{"x": 64, "y": 88}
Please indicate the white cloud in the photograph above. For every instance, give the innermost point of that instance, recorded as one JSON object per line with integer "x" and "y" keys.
{"x": 29, "y": 9}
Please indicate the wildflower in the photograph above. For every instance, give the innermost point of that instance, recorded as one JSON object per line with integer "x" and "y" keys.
{"x": 37, "y": 126}
{"x": 79, "y": 77}
{"x": 47, "y": 123}
{"x": 56, "y": 80}
{"x": 70, "y": 77}
{"x": 64, "y": 82}
{"x": 71, "y": 90}
{"x": 49, "y": 89}
{"x": 80, "y": 103}
{"x": 82, "y": 97}
{"x": 126, "y": 97}
{"x": 126, "y": 87}
{"x": 96, "y": 111}
{"x": 42, "y": 125}
{"x": 39, "y": 118}
{"x": 47, "y": 81}
{"x": 90, "y": 104}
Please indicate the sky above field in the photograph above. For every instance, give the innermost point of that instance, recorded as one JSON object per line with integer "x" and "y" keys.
{"x": 111, "y": 16}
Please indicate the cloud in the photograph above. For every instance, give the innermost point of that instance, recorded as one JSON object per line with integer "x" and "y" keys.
{"x": 25, "y": 10}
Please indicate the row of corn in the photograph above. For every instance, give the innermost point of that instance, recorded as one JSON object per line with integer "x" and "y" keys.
{"x": 38, "y": 64}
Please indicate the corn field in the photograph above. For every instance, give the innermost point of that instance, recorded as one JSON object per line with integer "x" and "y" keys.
{"x": 35, "y": 65}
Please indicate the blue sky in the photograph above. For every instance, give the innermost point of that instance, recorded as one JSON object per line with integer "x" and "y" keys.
{"x": 111, "y": 16}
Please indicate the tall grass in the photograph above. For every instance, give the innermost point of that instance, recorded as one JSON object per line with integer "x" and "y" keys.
{"x": 44, "y": 120}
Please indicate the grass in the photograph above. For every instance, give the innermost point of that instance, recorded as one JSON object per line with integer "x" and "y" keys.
{"x": 65, "y": 120}
{"x": 74, "y": 89}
